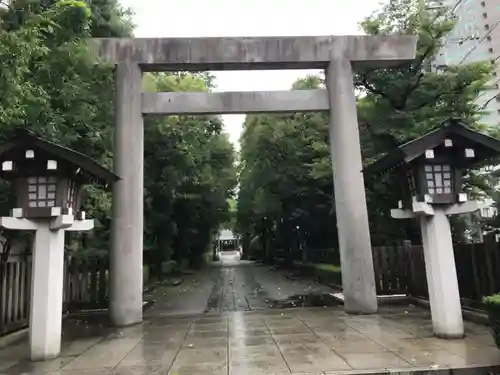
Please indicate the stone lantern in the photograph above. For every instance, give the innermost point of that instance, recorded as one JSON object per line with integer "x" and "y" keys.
{"x": 47, "y": 179}
{"x": 430, "y": 170}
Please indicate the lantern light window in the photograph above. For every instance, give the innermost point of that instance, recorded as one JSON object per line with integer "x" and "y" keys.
{"x": 429, "y": 154}
{"x": 469, "y": 153}
{"x": 51, "y": 165}
{"x": 7, "y": 165}
{"x": 42, "y": 191}
{"x": 438, "y": 177}
{"x": 29, "y": 154}
{"x": 17, "y": 212}
{"x": 448, "y": 143}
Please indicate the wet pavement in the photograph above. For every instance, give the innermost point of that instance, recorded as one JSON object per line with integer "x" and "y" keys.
{"x": 244, "y": 332}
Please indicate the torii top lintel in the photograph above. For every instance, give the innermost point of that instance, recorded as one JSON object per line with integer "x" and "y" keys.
{"x": 243, "y": 53}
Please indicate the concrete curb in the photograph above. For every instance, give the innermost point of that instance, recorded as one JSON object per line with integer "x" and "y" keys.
{"x": 13, "y": 338}
{"x": 476, "y": 316}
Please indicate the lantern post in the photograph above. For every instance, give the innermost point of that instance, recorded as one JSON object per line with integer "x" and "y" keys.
{"x": 430, "y": 169}
{"x": 47, "y": 179}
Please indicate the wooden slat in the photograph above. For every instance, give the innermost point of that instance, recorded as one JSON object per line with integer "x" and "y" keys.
{"x": 74, "y": 279}
{"x": 22, "y": 289}
{"x": 490, "y": 277}
{"x": 475, "y": 275}
{"x": 84, "y": 287}
{"x": 103, "y": 282}
{"x": 3, "y": 298}
{"x": 93, "y": 281}
{"x": 10, "y": 292}
{"x": 384, "y": 269}
{"x": 376, "y": 269}
{"x": 16, "y": 290}
{"x": 392, "y": 270}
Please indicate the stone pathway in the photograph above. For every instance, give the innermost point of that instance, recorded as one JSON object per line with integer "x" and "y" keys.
{"x": 241, "y": 335}
{"x": 293, "y": 341}
{"x": 230, "y": 285}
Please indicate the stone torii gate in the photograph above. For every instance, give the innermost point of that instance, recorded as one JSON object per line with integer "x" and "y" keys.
{"x": 338, "y": 55}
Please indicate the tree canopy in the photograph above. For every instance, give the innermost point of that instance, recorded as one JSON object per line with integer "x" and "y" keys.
{"x": 51, "y": 83}
{"x": 285, "y": 177}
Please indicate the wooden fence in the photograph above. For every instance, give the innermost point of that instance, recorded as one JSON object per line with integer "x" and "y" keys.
{"x": 14, "y": 292}
{"x": 85, "y": 286}
{"x": 401, "y": 269}
{"x": 478, "y": 271}
{"x": 398, "y": 270}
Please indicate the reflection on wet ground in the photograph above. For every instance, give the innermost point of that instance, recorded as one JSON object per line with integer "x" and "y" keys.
{"x": 301, "y": 340}
{"x": 85, "y": 326}
{"x": 240, "y": 334}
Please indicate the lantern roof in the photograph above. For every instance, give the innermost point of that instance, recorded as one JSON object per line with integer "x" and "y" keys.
{"x": 91, "y": 170}
{"x": 486, "y": 146}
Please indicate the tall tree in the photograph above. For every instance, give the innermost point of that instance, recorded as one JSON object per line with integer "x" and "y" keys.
{"x": 286, "y": 168}
{"x": 107, "y": 17}
{"x": 189, "y": 175}
{"x": 50, "y": 83}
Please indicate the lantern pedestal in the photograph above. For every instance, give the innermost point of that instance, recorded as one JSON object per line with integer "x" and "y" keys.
{"x": 442, "y": 281}
{"x": 47, "y": 280}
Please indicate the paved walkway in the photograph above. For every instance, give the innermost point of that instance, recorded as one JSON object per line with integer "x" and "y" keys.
{"x": 242, "y": 335}
{"x": 230, "y": 285}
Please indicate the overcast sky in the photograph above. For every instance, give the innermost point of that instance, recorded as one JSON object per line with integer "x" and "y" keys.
{"x": 213, "y": 18}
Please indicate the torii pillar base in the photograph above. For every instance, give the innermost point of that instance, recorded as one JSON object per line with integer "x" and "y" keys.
{"x": 440, "y": 269}
{"x": 47, "y": 280}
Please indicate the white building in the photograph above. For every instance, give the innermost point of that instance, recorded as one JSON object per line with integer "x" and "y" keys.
{"x": 476, "y": 37}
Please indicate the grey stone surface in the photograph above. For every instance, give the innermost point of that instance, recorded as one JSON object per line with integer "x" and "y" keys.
{"x": 306, "y": 341}
{"x": 350, "y": 200}
{"x": 178, "y": 103}
{"x": 294, "y": 341}
{"x": 127, "y": 224}
{"x": 304, "y": 52}
{"x": 441, "y": 275}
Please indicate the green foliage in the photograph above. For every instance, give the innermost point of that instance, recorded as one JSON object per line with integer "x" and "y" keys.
{"x": 492, "y": 300}
{"x": 189, "y": 176}
{"x": 107, "y": 17}
{"x": 51, "y": 84}
{"x": 285, "y": 174}
{"x": 327, "y": 267}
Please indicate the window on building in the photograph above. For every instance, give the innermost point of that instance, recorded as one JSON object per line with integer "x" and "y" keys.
{"x": 497, "y": 98}
{"x": 483, "y": 3}
{"x": 438, "y": 177}
{"x": 488, "y": 38}
{"x": 485, "y": 15}
{"x": 494, "y": 74}
{"x": 486, "y": 27}
{"x": 490, "y": 50}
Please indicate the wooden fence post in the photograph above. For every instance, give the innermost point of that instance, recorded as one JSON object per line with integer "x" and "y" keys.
{"x": 408, "y": 287}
